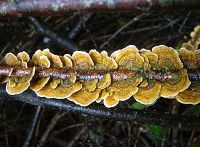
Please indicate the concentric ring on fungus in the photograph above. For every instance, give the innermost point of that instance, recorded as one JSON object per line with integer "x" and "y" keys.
{"x": 95, "y": 76}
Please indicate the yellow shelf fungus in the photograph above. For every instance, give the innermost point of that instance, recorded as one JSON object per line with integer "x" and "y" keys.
{"x": 84, "y": 78}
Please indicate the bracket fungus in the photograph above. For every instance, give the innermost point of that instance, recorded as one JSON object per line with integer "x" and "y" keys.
{"x": 168, "y": 58}
{"x": 190, "y": 59}
{"x": 128, "y": 58}
{"x": 85, "y": 78}
{"x": 178, "y": 83}
{"x": 149, "y": 94}
{"x": 190, "y": 95}
{"x": 194, "y": 42}
{"x": 16, "y": 85}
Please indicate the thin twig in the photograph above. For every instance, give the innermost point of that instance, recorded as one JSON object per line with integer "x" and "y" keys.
{"x": 184, "y": 22}
{"x": 171, "y": 23}
{"x": 121, "y": 114}
{"x": 77, "y": 27}
{"x": 51, "y": 125}
{"x": 76, "y": 137}
{"x": 63, "y": 42}
{"x": 122, "y": 28}
{"x": 34, "y": 123}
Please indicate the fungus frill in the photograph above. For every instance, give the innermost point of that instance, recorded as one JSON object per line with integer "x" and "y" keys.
{"x": 195, "y": 35}
{"x": 42, "y": 86}
{"x": 103, "y": 62}
{"x": 128, "y": 58}
{"x": 178, "y": 83}
{"x": 168, "y": 58}
{"x": 57, "y": 88}
{"x": 89, "y": 92}
{"x": 88, "y": 77}
{"x": 41, "y": 61}
{"x": 194, "y": 42}
{"x": 16, "y": 85}
{"x": 190, "y": 95}
{"x": 191, "y": 59}
{"x": 149, "y": 94}
{"x": 152, "y": 58}
{"x": 82, "y": 60}
{"x": 124, "y": 89}
{"x": 110, "y": 101}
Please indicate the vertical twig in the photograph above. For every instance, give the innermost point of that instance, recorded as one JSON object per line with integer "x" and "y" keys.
{"x": 78, "y": 26}
{"x": 34, "y": 123}
{"x": 76, "y": 137}
{"x": 51, "y": 125}
{"x": 184, "y": 22}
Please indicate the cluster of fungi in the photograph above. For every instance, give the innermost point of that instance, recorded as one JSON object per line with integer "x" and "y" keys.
{"x": 88, "y": 77}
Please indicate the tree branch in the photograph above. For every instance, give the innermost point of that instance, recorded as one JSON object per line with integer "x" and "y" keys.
{"x": 120, "y": 114}
{"x": 58, "y": 7}
{"x": 116, "y": 74}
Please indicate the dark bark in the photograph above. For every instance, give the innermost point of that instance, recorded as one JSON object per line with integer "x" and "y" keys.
{"x": 120, "y": 114}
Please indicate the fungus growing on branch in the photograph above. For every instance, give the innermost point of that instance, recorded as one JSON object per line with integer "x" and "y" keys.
{"x": 168, "y": 58}
{"x": 190, "y": 96}
{"x": 178, "y": 83}
{"x": 128, "y": 58}
{"x": 149, "y": 94}
{"x": 85, "y": 78}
